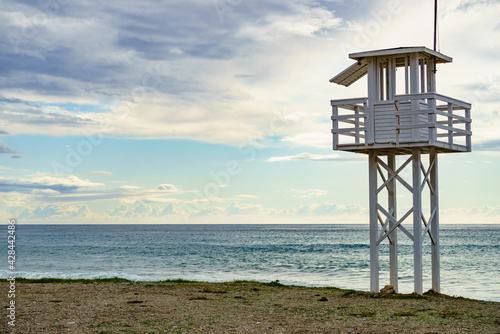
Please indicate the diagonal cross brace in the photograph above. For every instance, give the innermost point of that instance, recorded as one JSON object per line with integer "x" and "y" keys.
{"x": 426, "y": 177}
{"x": 385, "y": 225}
{"x": 394, "y": 174}
{"x": 397, "y": 223}
{"x": 428, "y": 225}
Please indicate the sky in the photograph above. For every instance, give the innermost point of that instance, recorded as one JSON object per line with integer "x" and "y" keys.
{"x": 218, "y": 111}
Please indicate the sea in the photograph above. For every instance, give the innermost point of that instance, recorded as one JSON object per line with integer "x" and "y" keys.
{"x": 306, "y": 255}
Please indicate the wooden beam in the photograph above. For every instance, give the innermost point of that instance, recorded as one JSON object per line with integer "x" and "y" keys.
{"x": 392, "y": 205}
{"x": 373, "y": 198}
{"x": 434, "y": 221}
{"x": 417, "y": 223}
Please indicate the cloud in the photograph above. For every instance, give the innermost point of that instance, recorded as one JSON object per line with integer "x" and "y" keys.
{"x": 65, "y": 184}
{"x": 46, "y": 188}
{"x": 167, "y": 188}
{"x": 491, "y": 145}
{"x": 99, "y": 172}
{"x": 138, "y": 67}
{"x": 307, "y": 192}
{"x": 54, "y": 212}
{"x": 142, "y": 211}
{"x": 4, "y": 149}
{"x": 246, "y": 196}
{"x": 316, "y": 139}
{"x": 330, "y": 209}
{"x": 245, "y": 209}
{"x": 312, "y": 157}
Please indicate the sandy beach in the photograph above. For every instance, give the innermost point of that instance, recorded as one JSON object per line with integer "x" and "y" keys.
{"x": 237, "y": 307}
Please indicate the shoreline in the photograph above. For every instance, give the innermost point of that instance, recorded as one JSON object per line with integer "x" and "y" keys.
{"x": 118, "y": 305}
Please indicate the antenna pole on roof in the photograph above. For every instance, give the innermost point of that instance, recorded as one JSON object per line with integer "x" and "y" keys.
{"x": 435, "y": 23}
{"x": 435, "y": 31}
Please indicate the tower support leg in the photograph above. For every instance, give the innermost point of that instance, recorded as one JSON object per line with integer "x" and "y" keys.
{"x": 417, "y": 222}
{"x": 433, "y": 157}
{"x": 374, "y": 266}
{"x": 393, "y": 240}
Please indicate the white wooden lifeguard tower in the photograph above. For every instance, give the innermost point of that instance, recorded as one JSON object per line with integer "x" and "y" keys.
{"x": 402, "y": 115}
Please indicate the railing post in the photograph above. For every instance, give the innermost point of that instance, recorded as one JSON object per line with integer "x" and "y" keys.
{"x": 450, "y": 123}
{"x": 432, "y": 120}
{"x": 468, "y": 128}
{"x": 365, "y": 121}
{"x": 335, "y": 126}
{"x": 356, "y": 124}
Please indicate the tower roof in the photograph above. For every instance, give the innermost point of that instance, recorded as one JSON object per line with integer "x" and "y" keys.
{"x": 357, "y": 70}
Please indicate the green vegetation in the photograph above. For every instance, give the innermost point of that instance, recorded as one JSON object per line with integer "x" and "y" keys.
{"x": 73, "y": 280}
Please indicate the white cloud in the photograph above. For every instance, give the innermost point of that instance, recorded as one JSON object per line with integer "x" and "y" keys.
{"x": 99, "y": 172}
{"x": 315, "y": 139}
{"x": 246, "y": 196}
{"x": 307, "y": 192}
{"x": 330, "y": 209}
{"x": 43, "y": 181}
{"x": 313, "y": 157}
{"x": 167, "y": 188}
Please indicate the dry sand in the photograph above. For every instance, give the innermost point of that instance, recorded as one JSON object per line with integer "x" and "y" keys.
{"x": 237, "y": 307}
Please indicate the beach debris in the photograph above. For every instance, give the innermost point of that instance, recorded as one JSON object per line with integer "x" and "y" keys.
{"x": 135, "y": 302}
{"x": 388, "y": 289}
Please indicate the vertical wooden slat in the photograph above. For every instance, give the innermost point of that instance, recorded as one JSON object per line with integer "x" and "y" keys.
{"x": 431, "y": 77}
{"x": 407, "y": 76}
{"x": 417, "y": 223}
{"x": 372, "y": 177}
{"x": 414, "y": 89}
{"x": 387, "y": 80}
{"x": 381, "y": 80}
{"x": 372, "y": 96}
{"x": 422, "y": 75}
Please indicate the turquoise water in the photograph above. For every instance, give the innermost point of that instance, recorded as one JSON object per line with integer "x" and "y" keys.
{"x": 311, "y": 255}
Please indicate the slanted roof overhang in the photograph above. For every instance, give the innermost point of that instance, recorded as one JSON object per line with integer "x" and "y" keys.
{"x": 357, "y": 70}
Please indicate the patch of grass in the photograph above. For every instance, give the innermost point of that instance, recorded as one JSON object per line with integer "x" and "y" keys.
{"x": 332, "y": 288}
{"x": 179, "y": 280}
{"x": 450, "y": 313}
{"x": 238, "y": 281}
{"x": 364, "y": 314}
{"x": 323, "y": 299}
{"x": 348, "y": 293}
{"x": 274, "y": 283}
{"x": 405, "y": 314}
{"x": 299, "y": 310}
{"x": 407, "y": 296}
{"x": 73, "y": 280}
{"x": 207, "y": 290}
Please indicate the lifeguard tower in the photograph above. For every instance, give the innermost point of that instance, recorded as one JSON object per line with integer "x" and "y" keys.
{"x": 402, "y": 115}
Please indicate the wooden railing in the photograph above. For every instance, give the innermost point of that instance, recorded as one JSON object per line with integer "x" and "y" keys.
{"x": 431, "y": 118}
{"x": 352, "y": 112}
{"x": 447, "y": 118}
